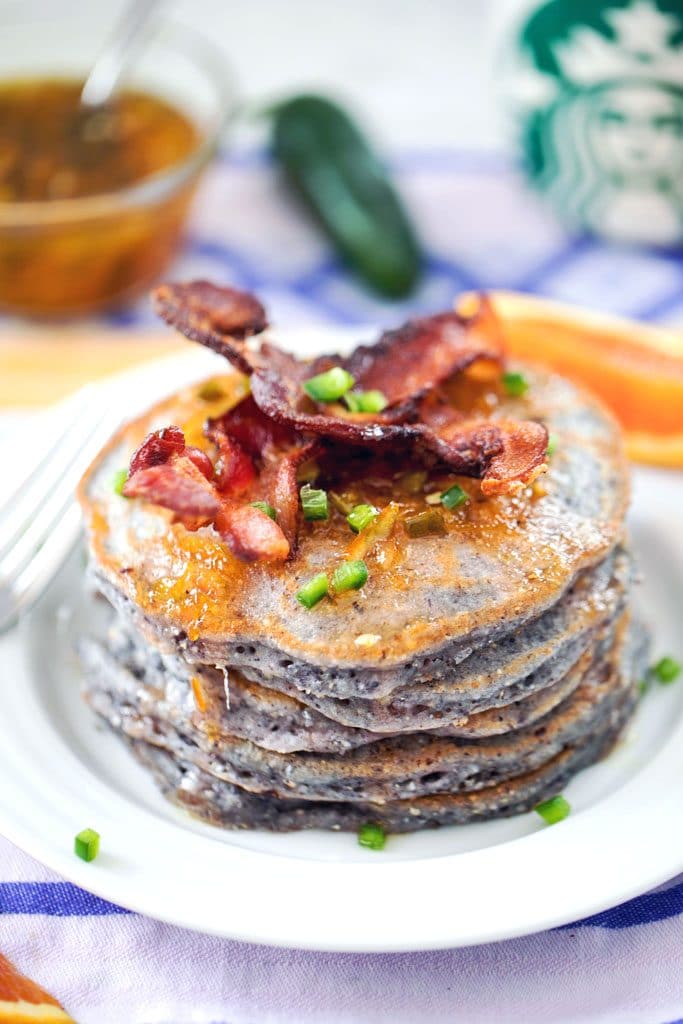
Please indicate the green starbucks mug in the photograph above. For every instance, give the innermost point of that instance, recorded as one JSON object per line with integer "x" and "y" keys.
{"x": 596, "y": 89}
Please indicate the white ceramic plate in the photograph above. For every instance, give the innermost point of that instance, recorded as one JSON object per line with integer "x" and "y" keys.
{"x": 62, "y": 772}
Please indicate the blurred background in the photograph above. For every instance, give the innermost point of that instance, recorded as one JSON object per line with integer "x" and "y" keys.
{"x": 534, "y": 146}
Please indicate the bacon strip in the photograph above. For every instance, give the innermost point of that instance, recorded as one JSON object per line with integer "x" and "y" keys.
{"x": 235, "y": 471}
{"x": 251, "y": 535}
{"x": 157, "y": 448}
{"x": 279, "y": 450}
{"x": 282, "y": 488}
{"x": 507, "y": 452}
{"x": 181, "y": 478}
{"x": 177, "y": 485}
{"x": 252, "y": 429}
{"x": 220, "y": 318}
{"x": 407, "y": 365}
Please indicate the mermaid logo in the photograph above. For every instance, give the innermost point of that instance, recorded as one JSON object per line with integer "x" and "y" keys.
{"x": 599, "y": 86}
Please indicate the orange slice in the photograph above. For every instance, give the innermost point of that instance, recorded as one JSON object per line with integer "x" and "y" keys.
{"x": 636, "y": 369}
{"x": 24, "y": 1002}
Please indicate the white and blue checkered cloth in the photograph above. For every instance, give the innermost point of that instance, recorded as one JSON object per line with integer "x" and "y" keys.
{"x": 481, "y": 229}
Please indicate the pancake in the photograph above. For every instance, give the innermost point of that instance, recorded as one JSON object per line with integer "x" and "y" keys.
{"x": 428, "y": 602}
{"x": 228, "y": 806}
{"x": 468, "y": 644}
{"x": 390, "y": 769}
{"x": 495, "y": 675}
{"x": 167, "y": 686}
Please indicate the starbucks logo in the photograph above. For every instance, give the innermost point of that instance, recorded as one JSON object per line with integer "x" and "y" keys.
{"x": 599, "y": 92}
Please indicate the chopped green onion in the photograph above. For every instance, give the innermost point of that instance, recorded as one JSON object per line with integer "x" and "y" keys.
{"x": 643, "y": 686}
{"x": 413, "y": 482}
{"x": 515, "y": 384}
{"x": 553, "y": 441}
{"x": 265, "y": 507}
{"x": 553, "y": 810}
{"x": 87, "y": 844}
{"x": 313, "y": 591}
{"x": 340, "y": 503}
{"x": 454, "y": 497}
{"x": 666, "y": 670}
{"x": 365, "y": 401}
{"x": 350, "y": 576}
{"x": 372, "y": 837}
{"x": 210, "y": 391}
{"x": 314, "y": 503}
{"x": 118, "y": 480}
{"x": 329, "y": 386}
{"x": 361, "y": 516}
{"x": 434, "y": 498}
{"x": 429, "y": 522}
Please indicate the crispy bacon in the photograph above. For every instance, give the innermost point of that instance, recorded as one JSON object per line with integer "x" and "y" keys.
{"x": 407, "y": 365}
{"x": 220, "y": 318}
{"x": 521, "y": 459}
{"x": 281, "y": 486}
{"x": 252, "y": 429}
{"x": 180, "y": 477}
{"x": 277, "y": 448}
{"x": 157, "y": 448}
{"x": 201, "y": 461}
{"x": 177, "y": 485}
{"x": 251, "y": 535}
{"x": 487, "y": 450}
{"x": 235, "y": 471}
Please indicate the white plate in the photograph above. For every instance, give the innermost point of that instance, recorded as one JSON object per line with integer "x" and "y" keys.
{"x": 62, "y": 772}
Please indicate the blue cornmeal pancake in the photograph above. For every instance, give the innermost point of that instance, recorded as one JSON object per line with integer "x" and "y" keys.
{"x": 496, "y": 674}
{"x": 396, "y": 768}
{"x": 231, "y": 806}
{"x": 429, "y": 601}
{"x": 167, "y": 687}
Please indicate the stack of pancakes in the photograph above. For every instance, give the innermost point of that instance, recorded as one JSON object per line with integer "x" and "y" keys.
{"x": 472, "y": 676}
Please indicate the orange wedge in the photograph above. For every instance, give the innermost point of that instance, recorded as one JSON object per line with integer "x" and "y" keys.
{"x": 24, "y": 1002}
{"x": 636, "y": 369}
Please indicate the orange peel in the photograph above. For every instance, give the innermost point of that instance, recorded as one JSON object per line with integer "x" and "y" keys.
{"x": 24, "y": 1002}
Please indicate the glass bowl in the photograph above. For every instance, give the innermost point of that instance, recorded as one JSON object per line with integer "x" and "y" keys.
{"x": 60, "y": 257}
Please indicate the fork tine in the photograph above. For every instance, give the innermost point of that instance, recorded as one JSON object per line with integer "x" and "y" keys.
{"x": 29, "y": 496}
{"x": 37, "y": 529}
{"x": 25, "y": 590}
{"x": 47, "y": 460}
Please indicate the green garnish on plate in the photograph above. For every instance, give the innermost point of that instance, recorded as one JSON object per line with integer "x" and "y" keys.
{"x": 87, "y": 844}
{"x": 666, "y": 670}
{"x": 372, "y": 837}
{"x": 553, "y": 810}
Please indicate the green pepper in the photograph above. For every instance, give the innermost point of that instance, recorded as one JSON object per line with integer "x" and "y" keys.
{"x": 329, "y": 162}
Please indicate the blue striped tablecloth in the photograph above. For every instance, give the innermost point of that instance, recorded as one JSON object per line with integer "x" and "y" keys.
{"x": 481, "y": 229}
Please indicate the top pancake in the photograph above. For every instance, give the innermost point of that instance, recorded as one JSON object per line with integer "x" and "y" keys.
{"x": 503, "y": 561}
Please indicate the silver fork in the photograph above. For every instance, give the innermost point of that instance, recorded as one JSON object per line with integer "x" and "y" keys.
{"x": 40, "y": 520}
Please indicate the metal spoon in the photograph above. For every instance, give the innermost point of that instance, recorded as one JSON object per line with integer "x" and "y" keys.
{"x": 117, "y": 53}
